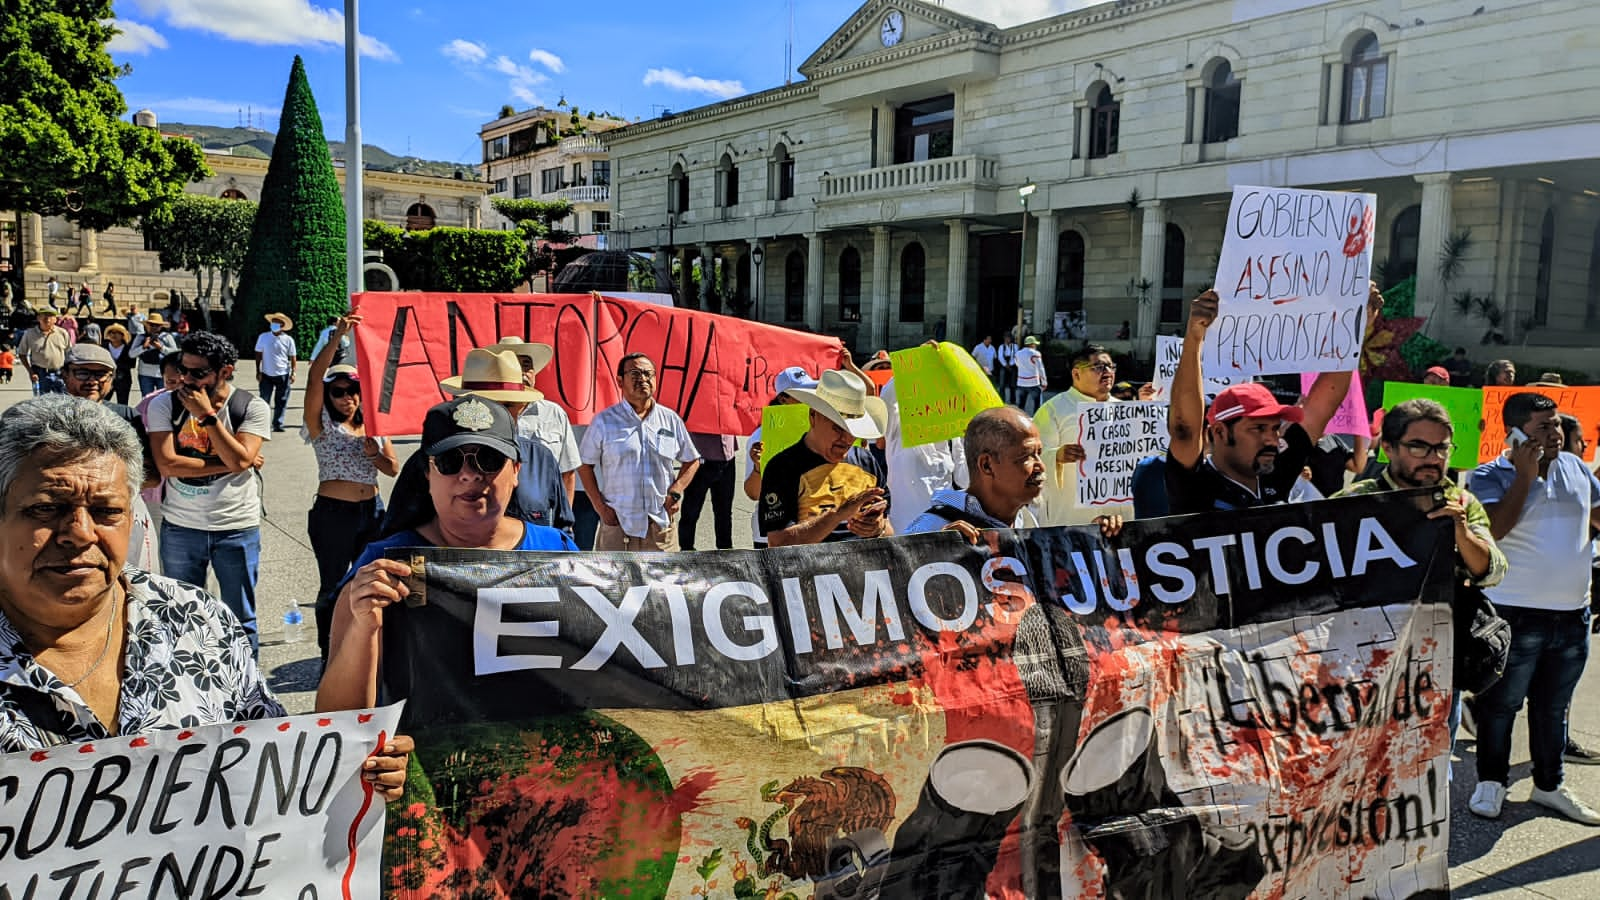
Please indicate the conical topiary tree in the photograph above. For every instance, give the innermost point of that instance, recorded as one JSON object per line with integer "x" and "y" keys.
{"x": 296, "y": 262}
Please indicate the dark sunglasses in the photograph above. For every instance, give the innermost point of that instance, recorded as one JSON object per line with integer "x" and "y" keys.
{"x": 199, "y": 374}
{"x": 341, "y": 392}
{"x": 485, "y": 460}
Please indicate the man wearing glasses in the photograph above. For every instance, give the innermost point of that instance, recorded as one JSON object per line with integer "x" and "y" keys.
{"x": 87, "y": 373}
{"x": 1093, "y": 374}
{"x": 628, "y": 455}
{"x": 206, "y": 438}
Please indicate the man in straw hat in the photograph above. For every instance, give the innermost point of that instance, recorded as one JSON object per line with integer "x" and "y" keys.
{"x": 825, "y": 488}
{"x": 151, "y": 346}
{"x": 42, "y": 350}
{"x": 543, "y": 419}
{"x": 275, "y": 360}
{"x": 628, "y": 454}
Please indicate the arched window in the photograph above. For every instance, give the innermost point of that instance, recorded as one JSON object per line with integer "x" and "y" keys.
{"x": 678, "y": 190}
{"x": 794, "y": 287}
{"x": 1105, "y": 114}
{"x": 1366, "y": 81}
{"x": 1541, "y": 286}
{"x": 1404, "y": 242}
{"x": 233, "y": 194}
{"x": 782, "y": 173}
{"x": 727, "y": 182}
{"x": 1069, "y": 272}
{"x": 1592, "y": 316}
{"x": 1172, "y": 275}
{"x": 913, "y": 278}
{"x": 850, "y": 285}
{"x": 1222, "y": 104}
{"x": 419, "y": 217}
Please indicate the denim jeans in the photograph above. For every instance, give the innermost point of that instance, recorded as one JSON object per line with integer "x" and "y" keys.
{"x": 50, "y": 383}
{"x": 275, "y": 392}
{"x": 585, "y": 521}
{"x": 1548, "y": 651}
{"x": 339, "y": 531}
{"x": 1027, "y": 395}
{"x": 149, "y": 384}
{"x": 235, "y": 557}
{"x": 714, "y": 477}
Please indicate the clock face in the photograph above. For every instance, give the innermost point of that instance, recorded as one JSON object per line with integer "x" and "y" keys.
{"x": 894, "y": 28}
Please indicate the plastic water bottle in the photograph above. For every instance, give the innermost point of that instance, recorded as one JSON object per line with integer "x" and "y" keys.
{"x": 293, "y": 623}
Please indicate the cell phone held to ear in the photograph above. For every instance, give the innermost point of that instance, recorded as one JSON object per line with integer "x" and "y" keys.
{"x": 1515, "y": 438}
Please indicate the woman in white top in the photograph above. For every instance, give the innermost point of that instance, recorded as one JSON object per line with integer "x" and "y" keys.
{"x": 347, "y": 513}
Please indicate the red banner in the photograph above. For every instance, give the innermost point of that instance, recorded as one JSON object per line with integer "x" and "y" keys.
{"x": 715, "y": 371}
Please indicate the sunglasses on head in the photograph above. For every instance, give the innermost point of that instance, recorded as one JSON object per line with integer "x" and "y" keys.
{"x": 341, "y": 391}
{"x": 484, "y": 459}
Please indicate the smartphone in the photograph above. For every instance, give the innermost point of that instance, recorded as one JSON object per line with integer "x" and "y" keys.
{"x": 1438, "y": 500}
{"x": 1516, "y": 437}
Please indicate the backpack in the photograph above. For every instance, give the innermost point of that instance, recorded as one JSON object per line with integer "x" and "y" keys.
{"x": 1483, "y": 640}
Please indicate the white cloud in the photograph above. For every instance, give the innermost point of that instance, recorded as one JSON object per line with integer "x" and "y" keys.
{"x": 134, "y": 37}
{"x": 465, "y": 52}
{"x": 678, "y": 81}
{"x": 548, "y": 60}
{"x": 270, "y": 22}
{"x": 165, "y": 107}
{"x": 1006, "y": 13}
{"x": 523, "y": 79}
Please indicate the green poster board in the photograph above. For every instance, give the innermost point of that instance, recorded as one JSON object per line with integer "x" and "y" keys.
{"x": 939, "y": 389}
{"x": 781, "y": 428}
{"x": 1465, "y": 406}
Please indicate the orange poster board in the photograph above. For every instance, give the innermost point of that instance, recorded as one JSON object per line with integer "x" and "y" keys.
{"x": 1583, "y": 402}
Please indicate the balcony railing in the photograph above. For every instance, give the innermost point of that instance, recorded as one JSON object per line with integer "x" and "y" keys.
{"x": 584, "y": 145}
{"x": 588, "y": 193}
{"x": 952, "y": 172}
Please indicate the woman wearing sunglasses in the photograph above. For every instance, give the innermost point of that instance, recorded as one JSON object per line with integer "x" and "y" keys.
{"x": 473, "y": 459}
{"x": 347, "y": 512}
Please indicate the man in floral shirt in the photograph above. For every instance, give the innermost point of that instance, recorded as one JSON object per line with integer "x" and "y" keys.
{"x": 89, "y": 646}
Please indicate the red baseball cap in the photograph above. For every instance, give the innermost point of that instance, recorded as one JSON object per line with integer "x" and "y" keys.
{"x": 1251, "y": 401}
{"x": 1439, "y": 372}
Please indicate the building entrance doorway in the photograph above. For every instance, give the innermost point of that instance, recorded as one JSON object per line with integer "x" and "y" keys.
{"x": 999, "y": 256}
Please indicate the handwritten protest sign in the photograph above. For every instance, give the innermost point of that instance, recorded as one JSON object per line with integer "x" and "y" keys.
{"x": 781, "y": 428}
{"x": 716, "y": 371}
{"x": 1465, "y": 406}
{"x": 1351, "y": 417}
{"x": 1583, "y": 402}
{"x": 1293, "y": 279}
{"x": 269, "y": 808}
{"x": 1168, "y": 351}
{"x": 1115, "y": 436}
{"x": 940, "y": 389}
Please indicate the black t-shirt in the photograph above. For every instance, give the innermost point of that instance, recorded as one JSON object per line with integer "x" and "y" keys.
{"x": 1204, "y": 489}
{"x": 1328, "y": 461}
{"x": 1460, "y": 371}
{"x": 799, "y": 484}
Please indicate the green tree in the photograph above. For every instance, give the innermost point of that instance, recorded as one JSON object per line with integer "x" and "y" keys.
{"x": 536, "y": 223}
{"x": 205, "y": 236}
{"x": 64, "y": 148}
{"x": 296, "y": 262}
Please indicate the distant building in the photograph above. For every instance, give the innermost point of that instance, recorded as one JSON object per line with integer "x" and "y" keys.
{"x": 543, "y": 154}
{"x": 883, "y": 190}
{"x": 54, "y": 246}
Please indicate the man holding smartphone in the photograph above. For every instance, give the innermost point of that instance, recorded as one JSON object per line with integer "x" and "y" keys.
{"x": 1542, "y": 505}
{"x": 825, "y": 488}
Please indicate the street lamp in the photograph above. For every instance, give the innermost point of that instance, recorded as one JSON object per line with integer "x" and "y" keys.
{"x": 756, "y": 256}
{"x": 1023, "y": 193}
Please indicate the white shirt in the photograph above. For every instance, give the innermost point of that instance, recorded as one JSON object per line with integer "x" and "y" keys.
{"x": 547, "y": 423}
{"x": 1058, "y": 426}
{"x": 634, "y": 462}
{"x": 277, "y": 353}
{"x": 1006, "y": 354}
{"x": 1030, "y": 368}
{"x": 1549, "y": 550}
{"x": 984, "y": 354}
{"x": 917, "y": 473}
{"x": 211, "y": 502}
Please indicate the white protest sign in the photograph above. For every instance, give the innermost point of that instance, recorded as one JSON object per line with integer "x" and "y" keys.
{"x": 1168, "y": 351}
{"x": 1115, "y": 436}
{"x": 268, "y": 808}
{"x": 1293, "y": 280}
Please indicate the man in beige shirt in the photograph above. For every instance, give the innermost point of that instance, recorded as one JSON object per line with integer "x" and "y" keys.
{"x": 42, "y": 351}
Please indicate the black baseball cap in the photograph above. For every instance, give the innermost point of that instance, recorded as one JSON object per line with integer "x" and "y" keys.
{"x": 470, "y": 420}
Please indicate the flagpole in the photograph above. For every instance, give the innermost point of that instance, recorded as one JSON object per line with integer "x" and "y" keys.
{"x": 353, "y": 239}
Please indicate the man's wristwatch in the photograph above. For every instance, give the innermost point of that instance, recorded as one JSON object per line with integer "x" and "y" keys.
{"x": 206, "y": 421}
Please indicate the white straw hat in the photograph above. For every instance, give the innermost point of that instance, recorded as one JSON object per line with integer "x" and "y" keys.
{"x": 844, "y": 398}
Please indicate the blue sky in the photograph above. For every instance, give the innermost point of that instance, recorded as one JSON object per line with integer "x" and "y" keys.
{"x": 434, "y": 71}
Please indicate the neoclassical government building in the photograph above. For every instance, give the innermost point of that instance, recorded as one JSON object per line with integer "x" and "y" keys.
{"x": 881, "y": 197}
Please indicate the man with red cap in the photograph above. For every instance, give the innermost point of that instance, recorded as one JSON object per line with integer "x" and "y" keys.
{"x": 1436, "y": 375}
{"x": 1258, "y": 446}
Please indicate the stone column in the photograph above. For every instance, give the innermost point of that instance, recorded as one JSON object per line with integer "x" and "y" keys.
{"x": 1152, "y": 247}
{"x": 1437, "y": 221}
{"x": 814, "y": 281}
{"x": 885, "y": 134}
{"x": 880, "y": 288}
{"x": 89, "y": 250}
{"x": 34, "y": 242}
{"x": 709, "y": 299}
{"x": 1044, "y": 273}
{"x": 955, "y": 301}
